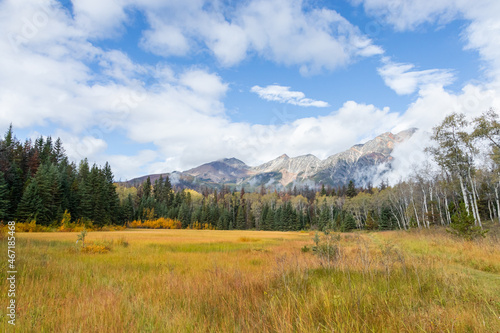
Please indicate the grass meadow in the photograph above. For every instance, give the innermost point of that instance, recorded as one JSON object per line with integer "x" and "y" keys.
{"x": 254, "y": 281}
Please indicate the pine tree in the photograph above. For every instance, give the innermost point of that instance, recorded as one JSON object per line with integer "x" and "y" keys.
{"x": 111, "y": 200}
{"x": 385, "y": 219}
{"x": 146, "y": 188}
{"x": 84, "y": 190}
{"x": 351, "y": 189}
{"x": 324, "y": 217}
{"x": 349, "y": 223}
{"x": 241, "y": 218}
{"x": 49, "y": 186}
{"x": 185, "y": 215}
{"x": 323, "y": 190}
{"x": 59, "y": 152}
{"x": 463, "y": 224}
{"x": 15, "y": 185}
{"x": 4, "y": 202}
{"x": 31, "y": 203}
{"x": 128, "y": 209}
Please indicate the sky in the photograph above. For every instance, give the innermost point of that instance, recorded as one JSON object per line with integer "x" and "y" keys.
{"x": 155, "y": 86}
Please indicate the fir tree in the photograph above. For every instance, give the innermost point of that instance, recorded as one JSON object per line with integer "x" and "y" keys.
{"x": 31, "y": 202}
{"x": 323, "y": 190}
{"x": 386, "y": 218}
{"x": 463, "y": 224}
{"x": 349, "y": 223}
{"x": 351, "y": 190}
{"x": 241, "y": 218}
{"x": 146, "y": 188}
{"x": 4, "y": 202}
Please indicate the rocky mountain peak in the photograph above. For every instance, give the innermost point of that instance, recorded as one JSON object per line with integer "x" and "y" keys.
{"x": 360, "y": 163}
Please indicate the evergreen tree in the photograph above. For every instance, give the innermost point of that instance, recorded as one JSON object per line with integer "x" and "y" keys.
{"x": 323, "y": 190}
{"x": 31, "y": 203}
{"x": 185, "y": 215}
{"x": 146, "y": 188}
{"x": 463, "y": 224}
{"x": 324, "y": 217}
{"x": 349, "y": 223}
{"x": 110, "y": 197}
{"x": 49, "y": 186}
{"x": 15, "y": 185}
{"x": 351, "y": 190}
{"x": 386, "y": 219}
{"x": 4, "y": 202}
{"x": 241, "y": 218}
{"x": 128, "y": 208}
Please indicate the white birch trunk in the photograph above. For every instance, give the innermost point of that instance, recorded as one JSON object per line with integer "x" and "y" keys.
{"x": 498, "y": 203}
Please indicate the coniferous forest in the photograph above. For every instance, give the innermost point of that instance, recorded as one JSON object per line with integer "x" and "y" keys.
{"x": 39, "y": 183}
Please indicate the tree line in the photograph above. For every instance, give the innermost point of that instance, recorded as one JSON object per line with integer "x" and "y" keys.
{"x": 37, "y": 182}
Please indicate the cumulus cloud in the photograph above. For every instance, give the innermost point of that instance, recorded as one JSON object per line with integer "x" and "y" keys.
{"x": 283, "y": 94}
{"x": 53, "y": 75}
{"x": 482, "y": 32}
{"x": 271, "y": 29}
{"x": 403, "y": 80}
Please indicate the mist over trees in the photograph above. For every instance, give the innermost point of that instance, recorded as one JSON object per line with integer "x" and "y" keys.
{"x": 37, "y": 182}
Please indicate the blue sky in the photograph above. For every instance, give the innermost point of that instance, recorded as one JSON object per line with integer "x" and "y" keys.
{"x": 155, "y": 86}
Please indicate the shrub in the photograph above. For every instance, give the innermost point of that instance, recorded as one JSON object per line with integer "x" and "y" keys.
{"x": 92, "y": 248}
{"x": 327, "y": 248}
{"x": 31, "y": 226}
{"x": 201, "y": 226}
{"x": 463, "y": 225}
{"x": 160, "y": 223}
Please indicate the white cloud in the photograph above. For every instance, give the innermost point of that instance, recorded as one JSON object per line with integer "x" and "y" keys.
{"x": 271, "y": 28}
{"x": 98, "y": 18}
{"x": 403, "y": 80}
{"x": 408, "y": 14}
{"x": 48, "y": 77}
{"x": 170, "y": 41}
{"x": 482, "y": 33}
{"x": 284, "y": 95}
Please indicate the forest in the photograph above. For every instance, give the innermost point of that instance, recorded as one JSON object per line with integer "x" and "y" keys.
{"x": 460, "y": 187}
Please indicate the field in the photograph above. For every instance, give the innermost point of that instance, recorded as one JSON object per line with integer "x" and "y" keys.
{"x": 254, "y": 281}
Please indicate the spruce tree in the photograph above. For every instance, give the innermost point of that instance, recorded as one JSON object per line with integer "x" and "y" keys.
{"x": 4, "y": 202}
{"x": 241, "y": 218}
{"x": 351, "y": 190}
{"x": 385, "y": 219}
{"x": 31, "y": 203}
{"x": 146, "y": 188}
{"x": 323, "y": 190}
{"x": 349, "y": 223}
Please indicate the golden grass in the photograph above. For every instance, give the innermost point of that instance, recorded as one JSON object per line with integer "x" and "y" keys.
{"x": 255, "y": 281}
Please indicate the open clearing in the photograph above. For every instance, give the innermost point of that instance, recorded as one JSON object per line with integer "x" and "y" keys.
{"x": 255, "y": 281}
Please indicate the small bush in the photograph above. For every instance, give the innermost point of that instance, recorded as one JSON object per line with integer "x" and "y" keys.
{"x": 463, "y": 225}
{"x": 161, "y": 223}
{"x": 327, "y": 248}
{"x": 95, "y": 248}
{"x": 31, "y": 226}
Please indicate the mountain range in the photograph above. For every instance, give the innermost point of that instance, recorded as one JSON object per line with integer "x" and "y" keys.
{"x": 360, "y": 163}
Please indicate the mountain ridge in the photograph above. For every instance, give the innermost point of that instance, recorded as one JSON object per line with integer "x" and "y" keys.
{"x": 359, "y": 163}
